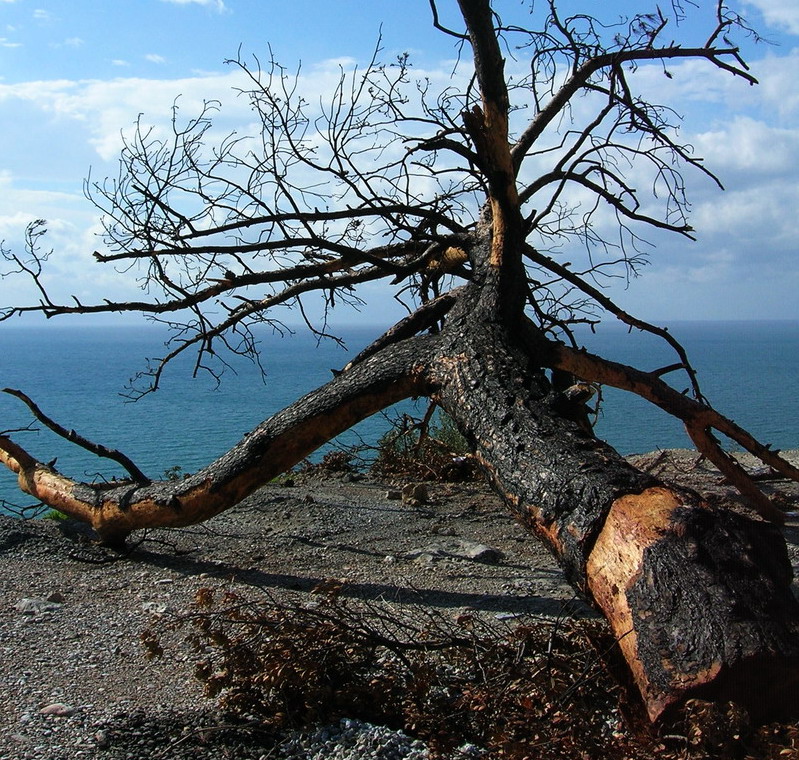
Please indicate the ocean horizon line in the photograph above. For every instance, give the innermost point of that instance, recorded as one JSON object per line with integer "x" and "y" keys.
{"x": 82, "y": 322}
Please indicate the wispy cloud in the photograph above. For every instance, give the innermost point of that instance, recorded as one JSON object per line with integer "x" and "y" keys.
{"x": 4, "y": 41}
{"x": 218, "y": 4}
{"x": 155, "y": 58}
{"x": 103, "y": 108}
{"x": 42, "y": 15}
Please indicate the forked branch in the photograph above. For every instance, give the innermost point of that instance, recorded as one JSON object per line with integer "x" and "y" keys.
{"x": 699, "y": 420}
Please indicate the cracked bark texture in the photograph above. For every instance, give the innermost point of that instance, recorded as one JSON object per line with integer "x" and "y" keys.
{"x": 698, "y": 598}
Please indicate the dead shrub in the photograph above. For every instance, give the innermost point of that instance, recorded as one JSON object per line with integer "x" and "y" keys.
{"x": 430, "y": 448}
{"x": 513, "y": 689}
{"x": 527, "y": 689}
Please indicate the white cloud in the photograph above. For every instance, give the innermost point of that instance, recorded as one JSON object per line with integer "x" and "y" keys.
{"x": 6, "y": 43}
{"x": 778, "y": 90}
{"x": 746, "y": 235}
{"x": 155, "y": 58}
{"x": 72, "y": 232}
{"x": 218, "y": 4}
{"x": 779, "y": 13}
{"x": 42, "y": 15}
{"x": 105, "y": 107}
{"x": 745, "y": 262}
{"x": 747, "y": 148}
{"x": 73, "y": 42}
{"x": 697, "y": 84}
{"x": 119, "y": 62}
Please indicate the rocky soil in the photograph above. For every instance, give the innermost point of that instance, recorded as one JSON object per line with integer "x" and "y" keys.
{"x": 75, "y": 679}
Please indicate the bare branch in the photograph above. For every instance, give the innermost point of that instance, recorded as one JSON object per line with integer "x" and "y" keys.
{"x": 583, "y": 74}
{"x": 698, "y": 418}
{"x": 73, "y": 437}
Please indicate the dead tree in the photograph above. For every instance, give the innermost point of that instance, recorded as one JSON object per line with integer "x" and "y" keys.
{"x": 459, "y": 199}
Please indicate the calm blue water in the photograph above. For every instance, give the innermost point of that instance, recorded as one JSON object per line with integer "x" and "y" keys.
{"x": 749, "y": 370}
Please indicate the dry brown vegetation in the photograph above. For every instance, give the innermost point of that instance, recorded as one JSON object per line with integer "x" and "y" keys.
{"x": 520, "y": 688}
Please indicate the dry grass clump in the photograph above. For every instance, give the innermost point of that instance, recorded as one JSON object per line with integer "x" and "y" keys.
{"x": 532, "y": 688}
{"x": 430, "y": 448}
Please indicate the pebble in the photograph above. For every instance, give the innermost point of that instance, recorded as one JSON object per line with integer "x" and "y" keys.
{"x": 488, "y": 555}
{"x": 459, "y": 550}
{"x": 356, "y": 740}
{"x": 35, "y": 606}
{"x": 59, "y": 710}
{"x": 154, "y": 608}
{"x": 415, "y": 493}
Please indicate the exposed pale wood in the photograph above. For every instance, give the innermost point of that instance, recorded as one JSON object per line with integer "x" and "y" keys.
{"x": 677, "y": 582}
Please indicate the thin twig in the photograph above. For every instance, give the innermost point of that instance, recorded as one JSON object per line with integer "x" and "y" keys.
{"x": 73, "y": 437}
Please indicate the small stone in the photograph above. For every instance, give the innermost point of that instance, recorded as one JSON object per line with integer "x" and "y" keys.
{"x": 35, "y": 606}
{"x": 415, "y": 492}
{"x": 488, "y": 555}
{"x": 163, "y": 581}
{"x": 154, "y": 608}
{"x": 59, "y": 710}
{"x": 425, "y": 555}
{"x": 56, "y": 597}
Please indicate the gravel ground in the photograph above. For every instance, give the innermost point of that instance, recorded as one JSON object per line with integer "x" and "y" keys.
{"x": 75, "y": 679}
{"x": 70, "y": 622}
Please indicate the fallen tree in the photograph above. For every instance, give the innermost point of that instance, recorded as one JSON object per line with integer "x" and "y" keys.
{"x": 698, "y": 598}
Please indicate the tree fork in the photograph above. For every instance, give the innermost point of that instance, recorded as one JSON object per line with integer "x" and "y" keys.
{"x": 697, "y": 417}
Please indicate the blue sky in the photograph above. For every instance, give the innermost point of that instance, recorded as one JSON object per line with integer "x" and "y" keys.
{"x": 73, "y": 74}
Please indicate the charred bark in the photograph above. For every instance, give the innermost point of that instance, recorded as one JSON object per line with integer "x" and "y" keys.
{"x": 699, "y": 599}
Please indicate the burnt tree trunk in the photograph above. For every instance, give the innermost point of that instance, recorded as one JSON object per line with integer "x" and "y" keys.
{"x": 698, "y": 598}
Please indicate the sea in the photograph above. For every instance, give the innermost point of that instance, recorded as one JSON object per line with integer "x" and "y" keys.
{"x": 80, "y": 376}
